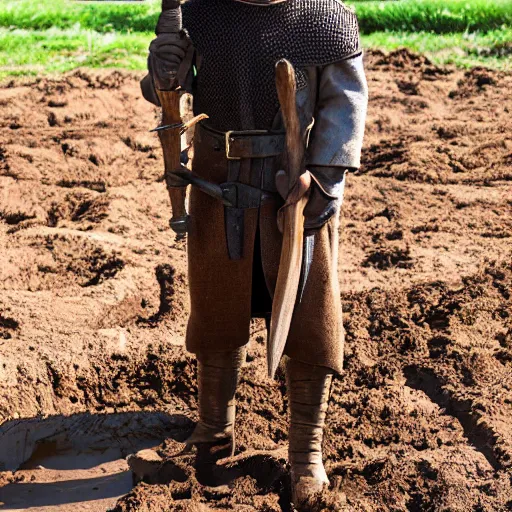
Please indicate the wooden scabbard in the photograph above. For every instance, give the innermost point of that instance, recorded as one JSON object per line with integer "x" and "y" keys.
{"x": 171, "y": 147}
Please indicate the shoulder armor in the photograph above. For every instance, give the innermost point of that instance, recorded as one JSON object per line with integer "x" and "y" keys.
{"x": 307, "y": 32}
{"x": 330, "y": 31}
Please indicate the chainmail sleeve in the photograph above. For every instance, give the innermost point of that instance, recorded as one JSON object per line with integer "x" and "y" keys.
{"x": 340, "y": 115}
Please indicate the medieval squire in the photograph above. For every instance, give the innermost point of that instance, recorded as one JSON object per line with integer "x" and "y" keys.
{"x": 226, "y": 55}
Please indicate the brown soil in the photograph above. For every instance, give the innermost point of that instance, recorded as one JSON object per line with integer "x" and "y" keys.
{"x": 93, "y": 305}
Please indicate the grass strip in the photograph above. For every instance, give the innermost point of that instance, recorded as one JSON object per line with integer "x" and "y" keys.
{"x": 490, "y": 49}
{"x": 439, "y": 16}
{"x": 97, "y": 16}
{"x": 30, "y": 52}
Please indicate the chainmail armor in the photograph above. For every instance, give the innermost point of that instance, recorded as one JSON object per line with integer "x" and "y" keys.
{"x": 239, "y": 45}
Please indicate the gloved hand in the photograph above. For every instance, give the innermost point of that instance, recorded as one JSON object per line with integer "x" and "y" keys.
{"x": 326, "y": 195}
{"x": 169, "y": 62}
{"x": 166, "y": 55}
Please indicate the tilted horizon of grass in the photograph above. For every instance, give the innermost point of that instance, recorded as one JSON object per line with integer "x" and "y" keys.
{"x": 30, "y": 52}
{"x": 439, "y": 16}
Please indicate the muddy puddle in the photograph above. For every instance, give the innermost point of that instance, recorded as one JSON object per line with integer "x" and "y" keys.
{"x": 60, "y": 461}
{"x": 54, "y": 480}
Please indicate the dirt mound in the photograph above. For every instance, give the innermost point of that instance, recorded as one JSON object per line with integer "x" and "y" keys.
{"x": 474, "y": 82}
{"x": 404, "y": 60}
{"x": 93, "y": 303}
{"x": 417, "y": 107}
{"x": 407, "y": 424}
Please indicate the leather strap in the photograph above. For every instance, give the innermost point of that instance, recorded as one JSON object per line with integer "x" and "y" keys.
{"x": 234, "y": 223}
{"x": 253, "y": 144}
{"x": 250, "y": 158}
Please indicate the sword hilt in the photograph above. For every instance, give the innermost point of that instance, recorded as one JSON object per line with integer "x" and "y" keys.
{"x": 287, "y": 92}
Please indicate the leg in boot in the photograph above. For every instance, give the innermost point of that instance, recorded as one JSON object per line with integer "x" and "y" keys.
{"x": 308, "y": 392}
{"x": 217, "y": 375}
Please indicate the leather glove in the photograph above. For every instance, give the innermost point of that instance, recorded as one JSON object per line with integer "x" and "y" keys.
{"x": 167, "y": 52}
{"x": 326, "y": 195}
{"x": 169, "y": 62}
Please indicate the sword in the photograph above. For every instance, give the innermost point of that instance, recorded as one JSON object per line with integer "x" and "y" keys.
{"x": 291, "y": 219}
{"x": 171, "y": 129}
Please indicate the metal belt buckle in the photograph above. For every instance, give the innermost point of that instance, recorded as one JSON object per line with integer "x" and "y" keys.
{"x": 229, "y": 135}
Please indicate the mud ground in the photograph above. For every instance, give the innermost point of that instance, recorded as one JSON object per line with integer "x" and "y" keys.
{"x": 93, "y": 306}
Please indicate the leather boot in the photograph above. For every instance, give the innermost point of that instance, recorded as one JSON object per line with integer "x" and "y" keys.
{"x": 217, "y": 375}
{"x": 308, "y": 392}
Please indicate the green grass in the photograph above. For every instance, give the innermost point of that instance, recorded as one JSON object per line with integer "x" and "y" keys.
{"x": 492, "y": 49}
{"x": 27, "y": 52}
{"x": 66, "y": 14}
{"x": 440, "y": 16}
{"x": 100, "y": 17}
{"x": 54, "y": 36}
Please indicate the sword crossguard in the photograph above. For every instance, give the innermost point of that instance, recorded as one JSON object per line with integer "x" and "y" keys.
{"x": 183, "y": 126}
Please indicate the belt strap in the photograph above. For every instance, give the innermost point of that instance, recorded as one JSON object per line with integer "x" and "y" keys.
{"x": 250, "y": 159}
{"x": 234, "y": 217}
{"x": 253, "y": 144}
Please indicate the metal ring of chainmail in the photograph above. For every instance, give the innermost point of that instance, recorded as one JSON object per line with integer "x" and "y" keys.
{"x": 239, "y": 45}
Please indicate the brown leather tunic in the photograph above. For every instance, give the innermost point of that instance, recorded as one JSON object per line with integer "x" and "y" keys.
{"x": 221, "y": 290}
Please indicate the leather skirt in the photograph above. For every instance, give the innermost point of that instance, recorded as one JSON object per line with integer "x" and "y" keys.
{"x": 226, "y": 293}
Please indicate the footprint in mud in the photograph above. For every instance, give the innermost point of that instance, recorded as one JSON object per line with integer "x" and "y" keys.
{"x": 7, "y": 327}
{"x": 76, "y": 261}
{"x": 385, "y": 258}
{"x": 82, "y": 208}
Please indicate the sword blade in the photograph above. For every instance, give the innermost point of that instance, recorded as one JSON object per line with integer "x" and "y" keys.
{"x": 285, "y": 295}
{"x": 307, "y": 259}
{"x": 288, "y": 278}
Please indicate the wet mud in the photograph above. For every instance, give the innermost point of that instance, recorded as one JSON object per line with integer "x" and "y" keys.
{"x": 93, "y": 308}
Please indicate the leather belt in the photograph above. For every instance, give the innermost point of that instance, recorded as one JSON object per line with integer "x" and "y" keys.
{"x": 251, "y": 157}
{"x": 253, "y": 144}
